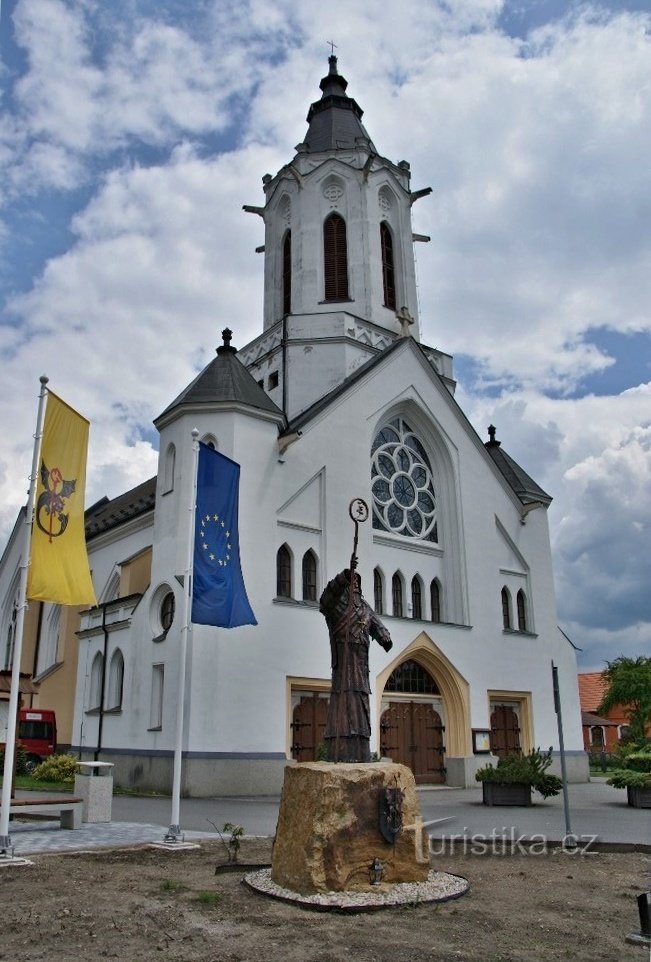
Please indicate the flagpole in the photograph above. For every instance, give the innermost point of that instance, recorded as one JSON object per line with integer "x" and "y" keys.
{"x": 174, "y": 831}
{"x": 6, "y": 848}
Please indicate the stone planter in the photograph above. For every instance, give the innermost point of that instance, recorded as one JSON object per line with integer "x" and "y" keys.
{"x": 515, "y": 794}
{"x": 639, "y": 797}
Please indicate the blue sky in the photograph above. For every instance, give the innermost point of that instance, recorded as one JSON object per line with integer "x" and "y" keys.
{"x": 132, "y": 132}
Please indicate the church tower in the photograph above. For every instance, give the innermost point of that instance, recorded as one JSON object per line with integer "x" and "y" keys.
{"x": 339, "y": 281}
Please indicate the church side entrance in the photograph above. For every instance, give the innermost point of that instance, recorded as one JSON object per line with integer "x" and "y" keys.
{"x": 505, "y": 730}
{"x": 411, "y": 727}
{"x": 308, "y": 725}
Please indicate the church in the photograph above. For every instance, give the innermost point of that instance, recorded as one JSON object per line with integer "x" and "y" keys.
{"x": 337, "y": 399}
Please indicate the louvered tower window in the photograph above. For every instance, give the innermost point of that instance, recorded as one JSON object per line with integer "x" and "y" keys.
{"x": 335, "y": 255}
{"x": 388, "y": 272}
{"x": 287, "y": 273}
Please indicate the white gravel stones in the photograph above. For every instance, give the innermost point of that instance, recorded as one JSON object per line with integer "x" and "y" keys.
{"x": 439, "y": 887}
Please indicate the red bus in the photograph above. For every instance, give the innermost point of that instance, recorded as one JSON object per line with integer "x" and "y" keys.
{"x": 37, "y": 733}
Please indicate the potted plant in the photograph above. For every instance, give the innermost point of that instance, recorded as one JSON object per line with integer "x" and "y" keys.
{"x": 635, "y": 777}
{"x": 511, "y": 781}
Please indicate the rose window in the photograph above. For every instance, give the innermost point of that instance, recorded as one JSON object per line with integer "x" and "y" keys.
{"x": 402, "y": 484}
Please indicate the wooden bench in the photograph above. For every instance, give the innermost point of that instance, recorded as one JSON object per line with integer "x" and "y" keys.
{"x": 69, "y": 809}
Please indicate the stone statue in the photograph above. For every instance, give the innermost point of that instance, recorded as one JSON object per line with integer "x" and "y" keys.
{"x": 351, "y": 623}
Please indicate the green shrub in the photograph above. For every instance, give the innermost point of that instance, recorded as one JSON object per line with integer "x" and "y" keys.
{"x": 21, "y": 759}
{"x": 528, "y": 769}
{"x": 635, "y": 771}
{"x": 56, "y": 768}
{"x": 629, "y": 779}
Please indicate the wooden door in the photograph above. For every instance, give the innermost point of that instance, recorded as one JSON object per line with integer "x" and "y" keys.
{"x": 505, "y": 731}
{"x": 308, "y": 726}
{"x": 412, "y": 735}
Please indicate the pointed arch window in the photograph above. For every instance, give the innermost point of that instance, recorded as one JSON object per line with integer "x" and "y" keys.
{"x": 378, "y": 591}
{"x": 416, "y": 598}
{"x": 335, "y": 258}
{"x": 283, "y": 573}
{"x": 287, "y": 273}
{"x": 309, "y": 576}
{"x": 388, "y": 270}
{"x": 396, "y": 595}
{"x": 96, "y": 681}
{"x": 116, "y": 680}
{"x": 506, "y": 608}
{"x": 170, "y": 464}
{"x": 402, "y": 483}
{"x": 410, "y": 677}
{"x": 435, "y": 600}
{"x": 521, "y": 605}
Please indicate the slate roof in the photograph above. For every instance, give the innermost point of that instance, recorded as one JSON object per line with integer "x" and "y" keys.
{"x": 335, "y": 121}
{"x": 107, "y": 514}
{"x": 524, "y": 486}
{"x": 224, "y": 380}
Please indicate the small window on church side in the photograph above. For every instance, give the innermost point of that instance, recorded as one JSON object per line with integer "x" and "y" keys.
{"x": 378, "y": 591}
{"x": 435, "y": 600}
{"x": 521, "y": 604}
{"x": 309, "y": 576}
{"x": 506, "y": 608}
{"x": 283, "y": 573}
{"x": 396, "y": 592}
{"x": 416, "y": 598}
{"x": 273, "y": 380}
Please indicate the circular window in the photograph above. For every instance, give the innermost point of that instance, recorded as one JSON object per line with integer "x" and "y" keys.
{"x": 167, "y": 608}
{"x": 402, "y": 483}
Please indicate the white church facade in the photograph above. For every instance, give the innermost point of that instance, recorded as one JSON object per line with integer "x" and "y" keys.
{"x": 336, "y": 399}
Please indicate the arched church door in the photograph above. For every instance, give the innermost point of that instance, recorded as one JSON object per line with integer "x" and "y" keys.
{"x": 308, "y": 726}
{"x": 505, "y": 730}
{"x": 411, "y": 730}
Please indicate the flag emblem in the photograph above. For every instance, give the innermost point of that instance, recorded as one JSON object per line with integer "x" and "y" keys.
{"x": 51, "y": 502}
{"x": 215, "y": 540}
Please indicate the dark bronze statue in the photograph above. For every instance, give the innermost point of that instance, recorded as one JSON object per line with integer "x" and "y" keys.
{"x": 351, "y": 623}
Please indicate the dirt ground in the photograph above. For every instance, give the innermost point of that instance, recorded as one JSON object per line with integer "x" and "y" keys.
{"x": 142, "y": 904}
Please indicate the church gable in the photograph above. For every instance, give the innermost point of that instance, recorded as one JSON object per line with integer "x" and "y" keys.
{"x": 304, "y": 508}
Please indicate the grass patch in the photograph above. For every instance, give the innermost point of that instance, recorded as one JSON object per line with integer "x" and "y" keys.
{"x": 171, "y": 885}
{"x": 29, "y": 784}
{"x": 209, "y": 898}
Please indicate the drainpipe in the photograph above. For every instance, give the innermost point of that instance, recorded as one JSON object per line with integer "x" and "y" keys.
{"x": 103, "y": 686}
{"x": 284, "y": 356}
{"x": 37, "y": 646}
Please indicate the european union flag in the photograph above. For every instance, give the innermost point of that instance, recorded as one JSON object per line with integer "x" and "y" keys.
{"x": 218, "y": 592}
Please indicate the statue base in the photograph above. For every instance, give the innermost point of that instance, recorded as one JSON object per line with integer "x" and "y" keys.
{"x": 328, "y": 832}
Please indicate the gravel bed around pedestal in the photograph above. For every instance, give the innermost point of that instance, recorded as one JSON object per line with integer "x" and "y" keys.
{"x": 439, "y": 887}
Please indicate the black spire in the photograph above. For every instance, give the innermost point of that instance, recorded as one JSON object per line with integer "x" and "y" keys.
{"x": 335, "y": 121}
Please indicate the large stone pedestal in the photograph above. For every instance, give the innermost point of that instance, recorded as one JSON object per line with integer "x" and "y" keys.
{"x": 328, "y": 828}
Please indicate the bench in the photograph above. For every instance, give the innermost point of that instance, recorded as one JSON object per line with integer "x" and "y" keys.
{"x": 69, "y": 809}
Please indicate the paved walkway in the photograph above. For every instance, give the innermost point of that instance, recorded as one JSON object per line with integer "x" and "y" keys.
{"x": 596, "y": 810}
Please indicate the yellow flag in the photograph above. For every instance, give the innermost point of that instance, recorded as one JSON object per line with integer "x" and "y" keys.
{"x": 59, "y": 569}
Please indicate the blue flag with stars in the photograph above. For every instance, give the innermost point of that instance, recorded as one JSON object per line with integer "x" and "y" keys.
{"x": 218, "y": 592}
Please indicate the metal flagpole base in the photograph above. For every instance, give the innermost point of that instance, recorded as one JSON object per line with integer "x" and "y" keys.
{"x": 7, "y": 856}
{"x": 174, "y": 841}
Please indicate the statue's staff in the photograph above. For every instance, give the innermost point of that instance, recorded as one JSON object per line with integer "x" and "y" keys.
{"x": 358, "y": 511}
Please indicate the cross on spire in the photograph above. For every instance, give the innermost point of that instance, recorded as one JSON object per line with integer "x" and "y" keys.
{"x": 333, "y": 47}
